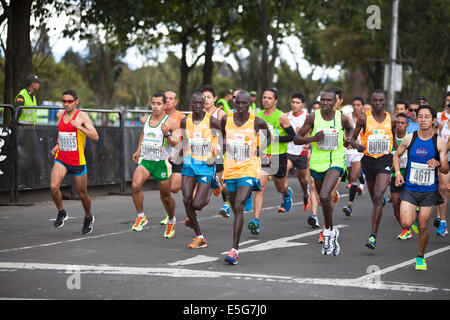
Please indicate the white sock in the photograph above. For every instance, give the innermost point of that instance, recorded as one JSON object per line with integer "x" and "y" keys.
{"x": 170, "y": 221}
{"x": 444, "y": 221}
{"x": 200, "y": 236}
{"x": 141, "y": 215}
{"x": 327, "y": 232}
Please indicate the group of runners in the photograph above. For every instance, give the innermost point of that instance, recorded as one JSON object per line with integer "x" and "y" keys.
{"x": 233, "y": 154}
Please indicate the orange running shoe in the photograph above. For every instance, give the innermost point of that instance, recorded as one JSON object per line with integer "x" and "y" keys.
{"x": 336, "y": 197}
{"x": 140, "y": 222}
{"x": 306, "y": 202}
{"x": 320, "y": 240}
{"x": 198, "y": 243}
{"x": 170, "y": 229}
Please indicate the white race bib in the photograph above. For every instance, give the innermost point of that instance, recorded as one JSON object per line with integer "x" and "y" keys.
{"x": 377, "y": 144}
{"x": 200, "y": 146}
{"x": 238, "y": 149}
{"x": 68, "y": 141}
{"x": 330, "y": 141}
{"x": 420, "y": 174}
{"x": 150, "y": 151}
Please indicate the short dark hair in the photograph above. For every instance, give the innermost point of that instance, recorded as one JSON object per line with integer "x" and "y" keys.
{"x": 443, "y": 102}
{"x": 275, "y": 92}
{"x": 337, "y": 91}
{"x": 402, "y": 102}
{"x": 403, "y": 115}
{"x": 379, "y": 91}
{"x": 159, "y": 95}
{"x": 299, "y": 95}
{"x": 210, "y": 88}
{"x": 72, "y": 93}
{"x": 358, "y": 99}
{"x": 427, "y": 106}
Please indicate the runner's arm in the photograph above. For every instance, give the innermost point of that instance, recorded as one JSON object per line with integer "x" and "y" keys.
{"x": 394, "y": 129}
{"x": 261, "y": 124}
{"x": 396, "y": 159}
{"x": 85, "y": 125}
{"x": 360, "y": 123}
{"x": 442, "y": 148}
{"x": 286, "y": 125}
{"x": 348, "y": 130}
{"x": 301, "y": 136}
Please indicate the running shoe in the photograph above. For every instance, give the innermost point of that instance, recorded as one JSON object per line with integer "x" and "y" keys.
{"x": 436, "y": 222}
{"x": 313, "y": 221}
{"x": 198, "y": 243}
{"x": 140, "y": 222}
{"x": 360, "y": 189}
{"x": 170, "y": 229}
{"x": 281, "y": 208}
{"x": 225, "y": 210}
{"x": 253, "y": 226}
{"x": 334, "y": 242}
{"x": 347, "y": 210}
{"x": 327, "y": 245}
{"x": 287, "y": 200}
{"x": 336, "y": 197}
{"x": 188, "y": 223}
{"x": 62, "y": 216}
{"x": 348, "y": 185}
{"x": 217, "y": 191}
{"x": 232, "y": 257}
{"x": 442, "y": 230}
{"x": 320, "y": 240}
{"x": 164, "y": 221}
{"x": 415, "y": 227}
{"x": 406, "y": 234}
{"x": 372, "y": 242}
{"x": 249, "y": 203}
{"x": 383, "y": 201}
{"x": 421, "y": 264}
{"x": 88, "y": 225}
{"x": 306, "y": 202}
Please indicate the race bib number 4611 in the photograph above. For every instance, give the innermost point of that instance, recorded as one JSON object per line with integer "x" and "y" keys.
{"x": 420, "y": 174}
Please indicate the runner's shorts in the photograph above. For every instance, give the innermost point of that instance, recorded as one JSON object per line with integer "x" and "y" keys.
{"x": 422, "y": 199}
{"x": 277, "y": 165}
{"x": 159, "y": 170}
{"x": 394, "y": 188}
{"x": 234, "y": 184}
{"x": 74, "y": 170}
{"x": 351, "y": 157}
{"x": 198, "y": 169}
{"x": 298, "y": 161}
{"x": 176, "y": 168}
{"x": 374, "y": 166}
{"x": 321, "y": 175}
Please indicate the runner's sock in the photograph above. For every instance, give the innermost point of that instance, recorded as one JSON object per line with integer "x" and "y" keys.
{"x": 141, "y": 215}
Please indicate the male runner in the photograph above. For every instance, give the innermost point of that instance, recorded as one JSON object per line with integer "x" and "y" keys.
{"x": 401, "y": 106}
{"x": 73, "y": 128}
{"x": 444, "y": 185}
{"x": 199, "y": 170}
{"x": 327, "y": 158}
{"x": 400, "y": 133}
{"x": 172, "y": 112}
{"x": 275, "y": 155}
{"x": 298, "y": 155}
{"x": 353, "y": 158}
{"x": 242, "y": 164}
{"x": 427, "y": 154}
{"x": 209, "y": 92}
{"x": 152, "y": 156}
{"x": 376, "y": 143}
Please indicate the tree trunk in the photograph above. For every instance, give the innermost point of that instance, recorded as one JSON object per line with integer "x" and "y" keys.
{"x": 208, "y": 67}
{"x": 266, "y": 80}
{"x": 184, "y": 72}
{"x": 18, "y": 48}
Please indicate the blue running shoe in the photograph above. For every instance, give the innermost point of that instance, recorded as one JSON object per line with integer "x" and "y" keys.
{"x": 347, "y": 210}
{"x": 225, "y": 211}
{"x": 372, "y": 242}
{"x": 442, "y": 230}
{"x": 287, "y": 200}
{"x": 253, "y": 226}
{"x": 232, "y": 257}
{"x": 383, "y": 201}
{"x": 313, "y": 221}
{"x": 249, "y": 203}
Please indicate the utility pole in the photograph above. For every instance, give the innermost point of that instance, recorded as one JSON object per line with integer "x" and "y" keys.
{"x": 393, "y": 56}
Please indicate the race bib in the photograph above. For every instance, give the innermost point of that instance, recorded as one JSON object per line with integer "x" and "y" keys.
{"x": 377, "y": 144}
{"x": 200, "y": 146}
{"x": 330, "y": 141}
{"x": 420, "y": 174}
{"x": 150, "y": 151}
{"x": 404, "y": 160}
{"x": 238, "y": 149}
{"x": 68, "y": 141}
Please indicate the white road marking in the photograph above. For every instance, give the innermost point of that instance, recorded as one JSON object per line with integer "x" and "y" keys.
{"x": 194, "y": 260}
{"x": 189, "y": 273}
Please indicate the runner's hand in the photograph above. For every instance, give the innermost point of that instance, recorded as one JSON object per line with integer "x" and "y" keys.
{"x": 399, "y": 180}
{"x": 136, "y": 156}
{"x": 164, "y": 129}
{"x": 360, "y": 147}
{"x": 55, "y": 149}
{"x": 319, "y": 136}
{"x": 433, "y": 163}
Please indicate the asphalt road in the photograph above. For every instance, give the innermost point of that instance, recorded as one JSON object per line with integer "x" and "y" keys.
{"x": 283, "y": 262}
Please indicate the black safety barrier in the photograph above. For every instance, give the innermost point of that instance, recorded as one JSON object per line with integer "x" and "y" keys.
{"x": 27, "y": 148}
{"x": 6, "y": 147}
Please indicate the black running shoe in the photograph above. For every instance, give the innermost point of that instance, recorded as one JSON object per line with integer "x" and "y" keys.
{"x": 62, "y": 216}
{"x": 436, "y": 222}
{"x": 88, "y": 225}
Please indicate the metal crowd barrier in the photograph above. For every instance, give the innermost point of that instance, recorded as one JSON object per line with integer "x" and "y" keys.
{"x": 25, "y": 149}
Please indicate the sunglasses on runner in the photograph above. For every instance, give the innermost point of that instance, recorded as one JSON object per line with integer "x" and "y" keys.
{"x": 68, "y": 101}
{"x": 413, "y": 110}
